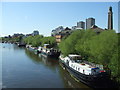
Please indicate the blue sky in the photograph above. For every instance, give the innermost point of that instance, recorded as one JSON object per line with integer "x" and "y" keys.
{"x": 25, "y": 17}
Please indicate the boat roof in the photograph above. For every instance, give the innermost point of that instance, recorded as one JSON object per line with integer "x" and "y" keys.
{"x": 74, "y": 55}
{"x": 46, "y": 44}
{"x": 86, "y": 66}
{"x": 83, "y": 65}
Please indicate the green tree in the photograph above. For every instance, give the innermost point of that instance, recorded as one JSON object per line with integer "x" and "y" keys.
{"x": 48, "y": 40}
{"x": 67, "y": 45}
{"x": 82, "y": 45}
{"x": 100, "y": 48}
{"x": 40, "y": 40}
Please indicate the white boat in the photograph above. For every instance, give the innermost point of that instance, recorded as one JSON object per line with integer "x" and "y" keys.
{"x": 84, "y": 72}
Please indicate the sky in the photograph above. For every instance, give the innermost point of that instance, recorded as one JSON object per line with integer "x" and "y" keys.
{"x": 25, "y": 17}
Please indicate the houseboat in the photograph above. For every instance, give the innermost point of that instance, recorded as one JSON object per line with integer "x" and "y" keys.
{"x": 48, "y": 51}
{"x": 90, "y": 75}
{"x": 34, "y": 49}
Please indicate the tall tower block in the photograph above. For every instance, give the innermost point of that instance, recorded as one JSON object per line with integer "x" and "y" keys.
{"x": 110, "y": 18}
{"x": 90, "y": 22}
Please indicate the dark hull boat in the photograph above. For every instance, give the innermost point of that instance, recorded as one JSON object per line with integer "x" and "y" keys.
{"x": 95, "y": 80}
{"x": 21, "y": 44}
{"x": 47, "y": 51}
{"x": 51, "y": 54}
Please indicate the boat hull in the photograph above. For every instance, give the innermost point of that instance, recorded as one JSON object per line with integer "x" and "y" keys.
{"x": 54, "y": 55}
{"x": 34, "y": 50}
{"x": 98, "y": 81}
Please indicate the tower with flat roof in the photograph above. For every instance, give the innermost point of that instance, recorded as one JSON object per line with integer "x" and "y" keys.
{"x": 81, "y": 24}
{"x": 90, "y": 22}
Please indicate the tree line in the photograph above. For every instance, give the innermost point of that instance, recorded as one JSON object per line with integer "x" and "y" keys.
{"x": 12, "y": 39}
{"x": 100, "y": 48}
{"x": 35, "y": 41}
{"x": 40, "y": 40}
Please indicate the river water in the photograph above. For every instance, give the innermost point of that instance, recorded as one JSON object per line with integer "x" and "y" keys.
{"x": 22, "y": 68}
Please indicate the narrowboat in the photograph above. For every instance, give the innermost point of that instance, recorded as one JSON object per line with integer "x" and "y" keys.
{"x": 92, "y": 76}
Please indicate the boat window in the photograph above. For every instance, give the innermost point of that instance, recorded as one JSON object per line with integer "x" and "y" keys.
{"x": 83, "y": 70}
{"x": 76, "y": 68}
{"x": 78, "y": 61}
{"x": 95, "y": 69}
{"x": 76, "y": 58}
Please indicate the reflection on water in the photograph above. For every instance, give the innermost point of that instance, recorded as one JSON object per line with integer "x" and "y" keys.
{"x": 39, "y": 59}
{"x": 69, "y": 81}
{"x": 24, "y": 69}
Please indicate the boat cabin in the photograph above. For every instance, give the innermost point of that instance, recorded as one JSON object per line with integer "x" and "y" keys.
{"x": 75, "y": 58}
{"x": 47, "y": 46}
{"x": 75, "y": 62}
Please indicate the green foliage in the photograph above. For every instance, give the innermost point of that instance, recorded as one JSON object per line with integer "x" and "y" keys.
{"x": 28, "y": 40}
{"x": 12, "y": 39}
{"x": 33, "y": 40}
{"x": 0, "y": 39}
{"x": 115, "y": 61}
{"x": 48, "y": 40}
{"x": 39, "y": 40}
{"x": 67, "y": 46}
{"x": 99, "y": 48}
{"x": 82, "y": 44}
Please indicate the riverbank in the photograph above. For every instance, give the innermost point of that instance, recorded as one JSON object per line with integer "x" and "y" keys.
{"x": 102, "y": 48}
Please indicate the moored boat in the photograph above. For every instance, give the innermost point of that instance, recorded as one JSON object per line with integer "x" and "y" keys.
{"x": 21, "y": 45}
{"x": 90, "y": 75}
{"x": 34, "y": 49}
{"x": 48, "y": 51}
